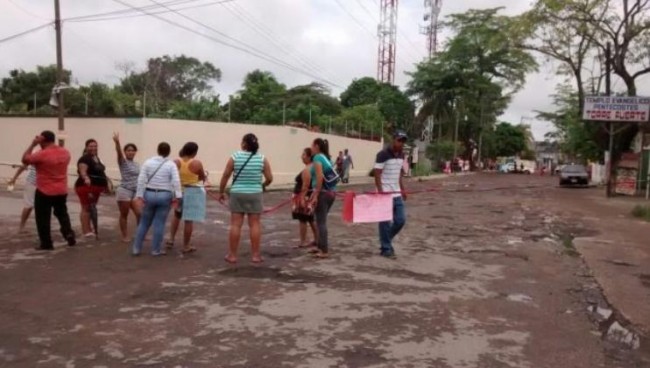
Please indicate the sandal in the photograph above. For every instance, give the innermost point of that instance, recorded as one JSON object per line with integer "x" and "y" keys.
{"x": 169, "y": 244}
{"x": 321, "y": 255}
{"x": 230, "y": 260}
{"x": 257, "y": 260}
{"x": 313, "y": 251}
{"x": 308, "y": 245}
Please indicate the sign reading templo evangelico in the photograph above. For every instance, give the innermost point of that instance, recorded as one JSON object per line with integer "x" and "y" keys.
{"x": 624, "y": 109}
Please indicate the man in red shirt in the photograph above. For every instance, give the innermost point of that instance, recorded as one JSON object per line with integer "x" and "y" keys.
{"x": 51, "y": 164}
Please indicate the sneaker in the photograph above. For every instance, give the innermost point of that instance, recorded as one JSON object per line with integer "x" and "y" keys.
{"x": 389, "y": 255}
{"x": 44, "y": 248}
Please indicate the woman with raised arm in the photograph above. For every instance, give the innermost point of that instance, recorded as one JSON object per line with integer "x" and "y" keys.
{"x": 192, "y": 207}
{"x": 248, "y": 167}
{"x": 129, "y": 170}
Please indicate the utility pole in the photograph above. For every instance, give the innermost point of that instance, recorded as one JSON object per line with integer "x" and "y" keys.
{"x": 310, "y": 113}
{"x": 144, "y": 105}
{"x": 59, "y": 72}
{"x": 284, "y": 113}
{"x": 330, "y": 130}
{"x": 34, "y": 109}
{"x": 608, "y": 92}
{"x": 480, "y": 134}
{"x": 456, "y": 130}
{"x": 86, "y": 102}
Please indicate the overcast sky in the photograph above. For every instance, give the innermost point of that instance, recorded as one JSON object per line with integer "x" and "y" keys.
{"x": 323, "y": 36}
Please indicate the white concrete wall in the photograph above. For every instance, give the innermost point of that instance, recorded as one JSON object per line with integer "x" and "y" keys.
{"x": 282, "y": 145}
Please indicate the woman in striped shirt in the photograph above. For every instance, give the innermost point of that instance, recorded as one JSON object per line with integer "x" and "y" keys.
{"x": 129, "y": 169}
{"x": 248, "y": 167}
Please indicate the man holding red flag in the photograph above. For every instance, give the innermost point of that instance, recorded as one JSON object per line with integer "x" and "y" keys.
{"x": 389, "y": 171}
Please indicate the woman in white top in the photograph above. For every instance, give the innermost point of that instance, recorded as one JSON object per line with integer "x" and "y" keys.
{"x": 158, "y": 190}
{"x": 28, "y": 193}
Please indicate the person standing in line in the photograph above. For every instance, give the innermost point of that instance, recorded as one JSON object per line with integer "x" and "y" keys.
{"x": 51, "y": 164}
{"x": 159, "y": 189}
{"x": 248, "y": 167}
{"x": 92, "y": 182}
{"x": 129, "y": 170}
{"x": 29, "y": 191}
{"x": 192, "y": 207}
{"x": 323, "y": 181}
{"x": 302, "y": 210}
{"x": 389, "y": 171}
{"x": 348, "y": 164}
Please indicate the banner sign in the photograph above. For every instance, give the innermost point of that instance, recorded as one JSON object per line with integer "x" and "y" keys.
{"x": 621, "y": 109}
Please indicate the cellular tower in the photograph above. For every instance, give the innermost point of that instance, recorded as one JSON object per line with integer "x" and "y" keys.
{"x": 387, "y": 34}
{"x": 430, "y": 29}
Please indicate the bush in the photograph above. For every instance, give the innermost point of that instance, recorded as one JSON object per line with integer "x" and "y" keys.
{"x": 422, "y": 169}
{"x": 641, "y": 212}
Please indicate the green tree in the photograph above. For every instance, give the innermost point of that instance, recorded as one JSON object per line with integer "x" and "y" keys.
{"x": 396, "y": 107}
{"x": 443, "y": 150}
{"x": 364, "y": 120}
{"x": 259, "y": 100}
{"x": 167, "y": 79}
{"x": 472, "y": 80}
{"x": 577, "y": 139}
{"x": 509, "y": 140}
{"x": 19, "y": 91}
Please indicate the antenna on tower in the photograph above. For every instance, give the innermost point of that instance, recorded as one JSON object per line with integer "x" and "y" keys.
{"x": 387, "y": 34}
{"x": 430, "y": 29}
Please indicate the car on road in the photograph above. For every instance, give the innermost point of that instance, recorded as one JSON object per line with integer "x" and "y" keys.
{"x": 574, "y": 175}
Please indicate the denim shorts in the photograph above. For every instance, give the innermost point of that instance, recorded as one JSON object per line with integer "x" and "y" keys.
{"x": 124, "y": 195}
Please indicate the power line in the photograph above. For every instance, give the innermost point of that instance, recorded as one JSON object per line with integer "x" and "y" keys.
{"x": 124, "y": 14}
{"x": 17, "y": 35}
{"x": 26, "y": 11}
{"x": 261, "y": 29}
{"x": 240, "y": 42}
{"x": 355, "y": 19}
{"x": 253, "y": 52}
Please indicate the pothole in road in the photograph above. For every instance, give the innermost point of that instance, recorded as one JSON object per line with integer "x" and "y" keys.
{"x": 613, "y": 329}
{"x": 271, "y": 273}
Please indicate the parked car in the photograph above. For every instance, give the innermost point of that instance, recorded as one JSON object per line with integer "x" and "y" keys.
{"x": 574, "y": 175}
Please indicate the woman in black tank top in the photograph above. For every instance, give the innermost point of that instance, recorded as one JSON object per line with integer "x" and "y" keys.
{"x": 302, "y": 209}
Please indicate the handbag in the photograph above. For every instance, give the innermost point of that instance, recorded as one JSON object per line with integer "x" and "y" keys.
{"x": 330, "y": 177}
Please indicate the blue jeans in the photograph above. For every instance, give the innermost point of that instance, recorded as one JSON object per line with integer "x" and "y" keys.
{"x": 388, "y": 230}
{"x": 155, "y": 211}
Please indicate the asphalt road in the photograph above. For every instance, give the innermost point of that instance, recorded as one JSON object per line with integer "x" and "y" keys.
{"x": 486, "y": 276}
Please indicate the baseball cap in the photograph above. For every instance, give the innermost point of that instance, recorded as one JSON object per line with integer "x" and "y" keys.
{"x": 400, "y": 135}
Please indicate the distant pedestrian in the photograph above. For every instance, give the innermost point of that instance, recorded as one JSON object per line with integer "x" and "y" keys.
{"x": 129, "y": 170}
{"x": 92, "y": 182}
{"x": 192, "y": 207}
{"x": 51, "y": 164}
{"x": 159, "y": 189}
{"x": 323, "y": 181}
{"x": 348, "y": 165}
{"x": 389, "y": 171}
{"x": 29, "y": 190}
{"x": 248, "y": 167}
{"x": 302, "y": 209}
{"x": 340, "y": 160}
